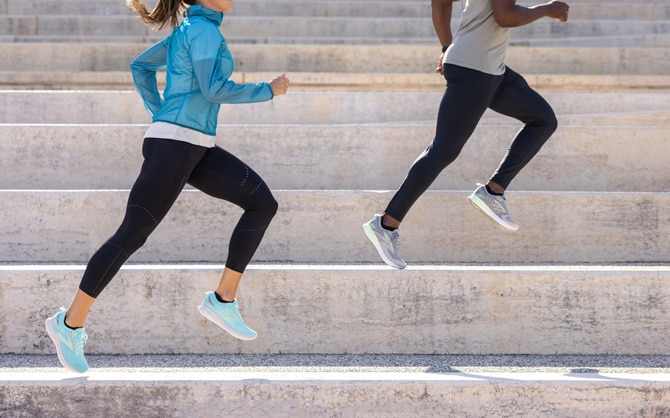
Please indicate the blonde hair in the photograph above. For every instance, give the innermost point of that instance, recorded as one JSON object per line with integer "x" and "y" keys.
{"x": 165, "y": 12}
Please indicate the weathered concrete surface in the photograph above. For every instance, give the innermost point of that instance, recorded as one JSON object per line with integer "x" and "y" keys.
{"x": 327, "y": 81}
{"x": 325, "y": 227}
{"x": 174, "y": 394}
{"x": 354, "y": 309}
{"x": 105, "y": 56}
{"x": 125, "y": 107}
{"x": 345, "y": 157}
{"x": 354, "y": 8}
{"x": 328, "y": 30}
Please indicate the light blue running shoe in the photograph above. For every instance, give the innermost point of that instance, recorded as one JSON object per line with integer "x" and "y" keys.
{"x": 227, "y": 316}
{"x": 69, "y": 342}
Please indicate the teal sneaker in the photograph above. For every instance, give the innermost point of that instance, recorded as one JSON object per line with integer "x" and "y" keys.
{"x": 227, "y": 316}
{"x": 69, "y": 342}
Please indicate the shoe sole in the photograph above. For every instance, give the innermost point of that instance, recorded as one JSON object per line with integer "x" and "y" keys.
{"x": 51, "y": 330}
{"x": 476, "y": 202}
{"x": 375, "y": 242}
{"x": 207, "y": 313}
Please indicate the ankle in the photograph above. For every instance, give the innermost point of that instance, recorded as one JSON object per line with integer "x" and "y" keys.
{"x": 494, "y": 189}
{"x": 389, "y": 223}
{"x": 72, "y": 327}
{"x": 222, "y": 300}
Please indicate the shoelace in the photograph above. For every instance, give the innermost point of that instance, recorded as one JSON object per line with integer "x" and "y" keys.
{"x": 79, "y": 341}
{"x": 230, "y": 313}
{"x": 498, "y": 203}
{"x": 394, "y": 240}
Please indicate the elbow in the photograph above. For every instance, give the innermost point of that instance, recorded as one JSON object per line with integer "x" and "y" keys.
{"x": 135, "y": 67}
{"x": 440, "y": 3}
{"x": 208, "y": 96}
{"x": 504, "y": 22}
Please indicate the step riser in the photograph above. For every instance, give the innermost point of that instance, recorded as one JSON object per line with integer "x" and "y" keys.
{"x": 396, "y": 9}
{"x": 356, "y": 311}
{"x": 254, "y": 8}
{"x": 326, "y": 227}
{"x": 292, "y": 157}
{"x": 125, "y": 107}
{"x": 346, "y": 82}
{"x": 331, "y": 29}
{"x": 325, "y": 58}
{"x": 265, "y": 396}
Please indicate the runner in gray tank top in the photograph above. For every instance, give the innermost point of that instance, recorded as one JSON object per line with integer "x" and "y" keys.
{"x": 477, "y": 79}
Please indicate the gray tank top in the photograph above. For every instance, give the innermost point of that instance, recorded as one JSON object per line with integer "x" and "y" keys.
{"x": 479, "y": 43}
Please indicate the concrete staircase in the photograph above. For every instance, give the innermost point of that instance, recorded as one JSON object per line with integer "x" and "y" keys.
{"x": 568, "y": 317}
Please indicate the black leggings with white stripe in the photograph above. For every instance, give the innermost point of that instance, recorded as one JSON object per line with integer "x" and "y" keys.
{"x": 469, "y": 93}
{"x": 168, "y": 166}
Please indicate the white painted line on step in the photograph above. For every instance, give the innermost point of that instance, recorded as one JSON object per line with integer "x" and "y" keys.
{"x": 617, "y": 379}
{"x": 362, "y": 267}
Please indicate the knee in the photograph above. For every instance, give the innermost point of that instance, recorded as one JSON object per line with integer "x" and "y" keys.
{"x": 440, "y": 155}
{"x": 128, "y": 241}
{"x": 266, "y": 204}
{"x": 551, "y": 122}
{"x": 548, "y": 121}
{"x": 272, "y": 206}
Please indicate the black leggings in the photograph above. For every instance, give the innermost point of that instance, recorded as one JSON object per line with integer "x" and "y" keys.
{"x": 168, "y": 166}
{"x": 468, "y": 94}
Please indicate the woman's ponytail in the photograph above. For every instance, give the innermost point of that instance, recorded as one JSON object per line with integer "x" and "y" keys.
{"x": 165, "y": 12}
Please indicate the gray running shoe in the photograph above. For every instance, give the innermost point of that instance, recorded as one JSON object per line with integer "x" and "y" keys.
{"x": 493, "y": 206}
{"x": 385, "y": 241}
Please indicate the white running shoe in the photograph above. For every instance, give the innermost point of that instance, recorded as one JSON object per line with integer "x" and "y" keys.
{"x": 385, "y": 241}
{"x": 493, "y": 206}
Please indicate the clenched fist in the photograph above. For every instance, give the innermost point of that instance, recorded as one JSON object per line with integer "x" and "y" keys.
{"x": 279, "y": 85}
{"x": 559, "y": 10}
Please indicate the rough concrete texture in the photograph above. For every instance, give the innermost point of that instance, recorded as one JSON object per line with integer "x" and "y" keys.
{"x": 105, "y": 56}
{"x": 125, "y": 107}
{"x": 327, "y": 30}
{"x": 339, "y": 395}
{"x": 320, "y": 81}
{"x": 358, "y": 8}
{"x": 601, "y": 158}
{"x": 497, "y": 309}
{"x": 561, "y": 227}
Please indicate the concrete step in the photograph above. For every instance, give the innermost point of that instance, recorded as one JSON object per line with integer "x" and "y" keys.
{"x": 354, "y": 309}
{"x": 349, "y": 157}
{"x": 624, "y": 41}
{"x": 332, "y": 29}
{"x": 417, "y": 59}
{"x": 325, "y": 227}
{"x": 330, "y": 386}
{"x": 326, "y": 81}
{"x": 352, "y": 8}
{"x": 179, "y": 392}
{"x": 125, "y": 107}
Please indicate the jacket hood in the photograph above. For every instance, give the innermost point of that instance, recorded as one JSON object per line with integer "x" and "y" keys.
{"x": 209, "y": 14}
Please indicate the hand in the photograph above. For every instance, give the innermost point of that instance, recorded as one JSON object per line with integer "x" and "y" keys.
{"x": 279, "y": 85}
{"x": 439, "y": 68}
{"x": 558, "y": 10}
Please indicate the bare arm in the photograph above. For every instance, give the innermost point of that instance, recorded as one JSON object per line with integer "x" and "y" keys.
{"x": 508, "y": 14}
{"x": 441, "y": 12}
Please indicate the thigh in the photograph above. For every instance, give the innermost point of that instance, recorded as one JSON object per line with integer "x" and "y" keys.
{"x": 466, "y": 98}
{"x": 515, "y": 98}
{"x": 167, "y": 165}
{"x": 222, "y": 175}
